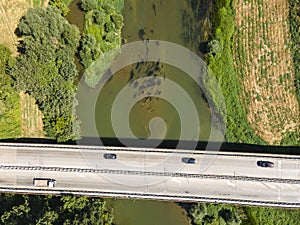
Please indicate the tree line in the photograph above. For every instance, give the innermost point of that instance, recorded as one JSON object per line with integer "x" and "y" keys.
{"x": 53, "y": 210}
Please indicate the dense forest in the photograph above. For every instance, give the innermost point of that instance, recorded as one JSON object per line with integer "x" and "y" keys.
{"x": 46, "y": 70}
{"x": 53, "y": 210}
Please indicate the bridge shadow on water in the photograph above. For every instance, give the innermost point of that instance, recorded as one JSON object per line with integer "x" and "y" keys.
{"x": 225, "y": 147}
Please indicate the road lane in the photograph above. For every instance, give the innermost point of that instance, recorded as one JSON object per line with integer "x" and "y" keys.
{"x": 263, "y": 191}
{"x": 153, "y": 161}
{"x": 153, "y": 171}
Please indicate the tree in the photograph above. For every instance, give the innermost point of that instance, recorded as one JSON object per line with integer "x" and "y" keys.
{"x": 84, "y": 211}
{"x": 50, "y": 210}
{"x": 99, "y": 17}
{"x": 198, "y": 213}
{"x": 102, "y": 32}
{"x": 89, "y": 51}
{"x": 205, "y": 214}
{"x": 88, "y": 5}
{"x": 46, "y": 70}
{"x": 118, "y": 20}
{"x": 109, "y": 26}
{"x": 229, "y": 217}
{"x": 18, "y": 214}
{"x": 59, "y": 4}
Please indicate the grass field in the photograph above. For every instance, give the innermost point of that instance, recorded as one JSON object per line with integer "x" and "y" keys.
{"x": 265, "y": 67}
{"x": 31, "y": 117}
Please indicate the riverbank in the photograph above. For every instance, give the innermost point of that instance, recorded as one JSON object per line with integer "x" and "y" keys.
{"x": 221, "y": 63}
{"x": 225, "y": 50}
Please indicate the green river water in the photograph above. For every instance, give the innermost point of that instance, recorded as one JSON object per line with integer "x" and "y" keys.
{"x": 156, "y": 20}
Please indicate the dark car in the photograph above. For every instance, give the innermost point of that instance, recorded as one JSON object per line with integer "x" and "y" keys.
{"x": 188, "y": 160}
{"x": 265, "y": 164}
{"x": 109, "y": 156}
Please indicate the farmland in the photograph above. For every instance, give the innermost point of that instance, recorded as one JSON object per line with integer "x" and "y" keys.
{"x": 265, "y": 67}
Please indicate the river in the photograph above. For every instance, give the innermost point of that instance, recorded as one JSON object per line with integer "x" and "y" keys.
{"x": 142, "y": 212}
{"x": 154, "y": 20}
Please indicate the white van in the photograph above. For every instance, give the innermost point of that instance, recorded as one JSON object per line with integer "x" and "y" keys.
{"x": 44, "y": 182}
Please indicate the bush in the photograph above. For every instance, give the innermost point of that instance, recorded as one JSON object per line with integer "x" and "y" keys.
{"x": 214, "y": 47}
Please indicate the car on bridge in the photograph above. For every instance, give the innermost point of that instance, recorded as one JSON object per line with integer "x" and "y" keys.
{"x": 109, "y": 156}
{"x": 188, "y": 160}
{"x": 265, "y": 164}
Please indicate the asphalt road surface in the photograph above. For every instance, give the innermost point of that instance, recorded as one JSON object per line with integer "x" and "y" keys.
{"x": 152, "y": 171}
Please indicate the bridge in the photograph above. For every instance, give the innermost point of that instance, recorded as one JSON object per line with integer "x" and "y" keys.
{"x": 161, "y": 174}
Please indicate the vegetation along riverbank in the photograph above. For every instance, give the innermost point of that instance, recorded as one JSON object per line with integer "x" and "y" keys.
{"x": 262, "y": 109}
{"x": 102, "y": 34}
